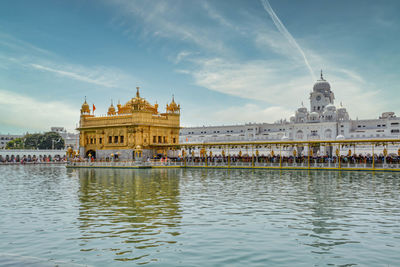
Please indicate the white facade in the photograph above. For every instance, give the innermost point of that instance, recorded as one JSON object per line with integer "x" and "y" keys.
{"x": 324, "y": 121}
{"x": 70, "y": 139}
{"x": 30, "y": 153}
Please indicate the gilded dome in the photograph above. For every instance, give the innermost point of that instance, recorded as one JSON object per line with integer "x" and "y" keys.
{"x": 85, "y": 107}
{"x": 173, "y": 107}
{"x": 111, "y": 110}
{"x": 137, "y": 104}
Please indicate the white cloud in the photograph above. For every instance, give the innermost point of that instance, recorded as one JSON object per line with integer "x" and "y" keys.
{"x": 166, "y": 20}
{"x": 98, "y": 75}
{"x": 238, "y": 114}
{"x": 182, "y": 55}
{"x": 282, "y": 29}
{"x": 21, "y": 111}
{"x": 252, "y": 113}
{"x": 215, "y": 15}
{"x": 29, "y": 56}
{"x": 102, "y": 76}
{"x": 20, "y": 46}
{"x": 269, "y": 40}
{"x": 257, "y": 80}
{"x": 277, "y": 85}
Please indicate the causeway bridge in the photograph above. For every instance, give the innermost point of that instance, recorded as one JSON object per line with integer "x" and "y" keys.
{"x": 366, "y": 155}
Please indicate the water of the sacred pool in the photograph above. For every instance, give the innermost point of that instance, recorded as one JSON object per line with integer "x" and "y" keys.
{"x": 51, "y": 216}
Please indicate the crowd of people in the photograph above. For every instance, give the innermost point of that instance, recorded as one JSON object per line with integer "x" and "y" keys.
{"x": 353, "y": 159}
{"x": 32, "y": 159}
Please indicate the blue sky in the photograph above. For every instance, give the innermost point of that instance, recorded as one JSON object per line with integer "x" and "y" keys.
{"x": 226, "y": 62}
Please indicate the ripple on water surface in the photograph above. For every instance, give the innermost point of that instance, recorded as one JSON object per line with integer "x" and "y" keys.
{"x": 187, "y": 217}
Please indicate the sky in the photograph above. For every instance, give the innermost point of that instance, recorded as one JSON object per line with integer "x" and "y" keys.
{"x": 226, "y": 61}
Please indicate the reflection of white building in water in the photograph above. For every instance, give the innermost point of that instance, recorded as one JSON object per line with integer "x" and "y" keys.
{"x": 324, "y": 121}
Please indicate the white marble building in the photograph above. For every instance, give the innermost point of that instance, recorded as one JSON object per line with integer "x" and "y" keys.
{"x": 324, "y": 121}
{"x": 70, "y": 139}
{"x": 5, "y": 138}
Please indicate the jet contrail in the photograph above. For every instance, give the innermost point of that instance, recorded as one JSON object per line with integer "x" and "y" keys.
{"x": 282, "y": 29}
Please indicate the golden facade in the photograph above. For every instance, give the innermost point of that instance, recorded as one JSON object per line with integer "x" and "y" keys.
{"x": 132, "y": 130}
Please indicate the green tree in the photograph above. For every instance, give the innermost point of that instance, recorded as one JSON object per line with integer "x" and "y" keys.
{"x": 50, "y": 139}
{"x": 32, "y": 140}
{"x": 17, "y": 143}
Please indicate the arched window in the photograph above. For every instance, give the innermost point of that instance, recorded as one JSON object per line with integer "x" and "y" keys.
{"x": 299, "y": 134}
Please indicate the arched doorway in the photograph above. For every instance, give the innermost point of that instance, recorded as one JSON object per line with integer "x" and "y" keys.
{"x": 92, "y": 153}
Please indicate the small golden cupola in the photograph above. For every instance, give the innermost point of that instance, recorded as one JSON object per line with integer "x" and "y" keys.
{"x": 173, "y": 107}
{"x": 111, "y": 110}
{"x": 119, "y": 106}
{"x": 138, "y": 103}
{"x": 85, "y": 110}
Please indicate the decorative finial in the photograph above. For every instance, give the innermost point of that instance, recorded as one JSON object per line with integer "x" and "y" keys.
{"x": 137, "y": 92}
{"x": 85, "y": 99}
{"x": 302, "y": 104}
{"x": 322, "y": 77}
{"x": 173, "y": 100}
{"x": 111, "y": 102}
{"x": 119, "y": 102}
{"x": 341, "y": 104}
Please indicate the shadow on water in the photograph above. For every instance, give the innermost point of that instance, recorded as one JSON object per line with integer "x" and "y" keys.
{"x": 134, "y": 210}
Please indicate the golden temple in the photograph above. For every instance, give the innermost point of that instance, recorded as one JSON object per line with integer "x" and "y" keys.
{"x": 130, "y": 131}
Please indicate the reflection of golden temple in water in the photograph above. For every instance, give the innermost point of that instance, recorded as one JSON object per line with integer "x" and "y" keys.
{"x": 142, "y": 203}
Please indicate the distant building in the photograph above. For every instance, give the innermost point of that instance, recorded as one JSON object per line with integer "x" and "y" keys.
{"x": 131, "y": 131}
{"x": 324, "y": 121}
{"x": 70, "y": 139}
{"x": 5, "y": 138}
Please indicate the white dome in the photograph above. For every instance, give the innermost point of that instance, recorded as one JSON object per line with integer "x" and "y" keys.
{"x": 340, "y": 137}
{"x": 314, "y": 114}
{"x": 322, "y": 85}
{"x": 285, "y": 137}
{"x": 302, "y": 110}
{"x": 330, "y": 107}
